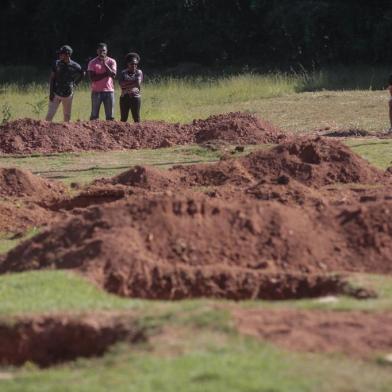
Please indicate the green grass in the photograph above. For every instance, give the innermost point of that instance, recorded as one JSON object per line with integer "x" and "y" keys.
{"x": 9, "y": 241}
{"x": 274, "y": 96}
{"x": 208, "y": 356}
{"x": 208, "y": 363}
{"x": 203, "y": 352}
{"x": 52, "y": 291}
{"x": 377, "y": 152}
{"x": 87, "y": 166}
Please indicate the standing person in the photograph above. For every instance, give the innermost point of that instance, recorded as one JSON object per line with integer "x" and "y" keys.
{"x": 102, "y": 70}
{"x": 130, "y": 80}
{"x": 65, "y": 74}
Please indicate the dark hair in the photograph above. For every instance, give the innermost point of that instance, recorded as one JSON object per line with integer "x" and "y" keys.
{"x": 132, "y": 56}
{"x": 102, "y": 45}
{"x": 65, "y": 49}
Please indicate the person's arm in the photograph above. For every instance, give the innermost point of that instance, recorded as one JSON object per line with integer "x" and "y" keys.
{"x": 79, "y": 75}
{"x": 390, "y": 84}
{"x": 139, "y": 78}
{"x": 111, "y": 70}
{"x": 52, "y": 81}
{"x": 94, "y": 77}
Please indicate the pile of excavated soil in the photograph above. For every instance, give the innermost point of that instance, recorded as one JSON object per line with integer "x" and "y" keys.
{"x": 295, "y": 172}
{"x": 145, "y": 177}
{"x": 173, "y": 247}
{"x": 236, "y": 128}
{"x": 358, "y": 334}
{"x": 28, "y": 136}
{"x": 22, "y": 183}
{"x": 49, "y": 340}
{"x": 313, "y": 161}
{"x": 20, "y": 216}
{"x": 23, "y": 200}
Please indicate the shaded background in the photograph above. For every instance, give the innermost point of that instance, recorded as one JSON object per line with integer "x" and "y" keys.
{"x": 269, "y": 33}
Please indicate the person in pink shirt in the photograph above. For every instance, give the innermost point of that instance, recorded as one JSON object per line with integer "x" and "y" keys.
{"x": 101, "y": 71}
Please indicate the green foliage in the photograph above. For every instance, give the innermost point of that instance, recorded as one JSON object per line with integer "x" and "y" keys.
{"x": 38, "y": 106}
{"x": 269, "y": 32}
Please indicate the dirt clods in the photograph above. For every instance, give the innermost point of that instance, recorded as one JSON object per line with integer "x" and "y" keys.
{"x": 28, "y": 136}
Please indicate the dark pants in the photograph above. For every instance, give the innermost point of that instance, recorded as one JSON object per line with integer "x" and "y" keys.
{"x": 105, "y": 97}
{"x": 127, "y": 102}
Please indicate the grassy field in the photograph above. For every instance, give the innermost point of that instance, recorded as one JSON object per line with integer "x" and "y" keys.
{"x": 204, "y": 353}
{"x": 341, "y": 97}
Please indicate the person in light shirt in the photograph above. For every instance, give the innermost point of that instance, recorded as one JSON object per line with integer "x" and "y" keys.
{"x": 130, "y": 80}
{"x": 102, "y": 71}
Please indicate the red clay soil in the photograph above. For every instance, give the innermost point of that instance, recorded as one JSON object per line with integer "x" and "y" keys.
{"x": 17, "y": 217}
{"x": 23, "y": 200}
{"x": 314, "y": 162}
{"x": 236, "y": 128}
{"x": 173, "y": 247}
{"x": 358, "y": 334}
{"x": 27, "y": 136}
{"x": 268, "y": 219}
{"x": 48, "y": 340}
{"x": 22, "y": 183}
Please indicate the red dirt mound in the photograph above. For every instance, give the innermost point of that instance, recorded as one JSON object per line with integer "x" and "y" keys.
{"x": 313, "y": 161}
{"x": 19, "y": 183}
{"x": 358, "y": 334}
{"x": 28, "y": 136}
{"x": 221, "y": 173}
{"x": 236, "y": 128}
{"x": 146, "y": 177}
{"x": 368, "y": 230}
{"x": 173, "y": 247}
{"x": 48, "y": 340}
{"x": 17, "y": 218}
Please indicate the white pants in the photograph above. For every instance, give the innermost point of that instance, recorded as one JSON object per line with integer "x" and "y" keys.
{"x": 54, "y": 104}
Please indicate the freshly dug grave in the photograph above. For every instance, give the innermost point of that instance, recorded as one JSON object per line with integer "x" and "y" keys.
{"x": 22, "y": 183}
{"x": 49, "y": 340}
{"x": 28, "y": 136}
{"x": 358, "y": 334}
{"x": 173, "y": 247}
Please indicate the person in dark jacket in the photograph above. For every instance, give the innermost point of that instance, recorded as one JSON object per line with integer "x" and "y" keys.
{"x": 130, "y": 80}
{"x": 65, "y": 75}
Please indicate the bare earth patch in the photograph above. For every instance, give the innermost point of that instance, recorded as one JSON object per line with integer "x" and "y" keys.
{"x": 358, "y": 334}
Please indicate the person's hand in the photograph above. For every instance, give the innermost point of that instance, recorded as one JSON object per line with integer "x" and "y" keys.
{"x": 51, "y": 97}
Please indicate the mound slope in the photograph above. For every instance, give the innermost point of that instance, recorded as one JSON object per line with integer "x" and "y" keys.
{"x": 176, "y": 247}
{"x": 21, "y": 183}
{"x": 28, "y": 136}
{"x": 239, "y": 128}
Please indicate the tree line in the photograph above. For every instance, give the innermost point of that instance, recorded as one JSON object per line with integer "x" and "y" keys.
{"x": 273, "y": 33}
